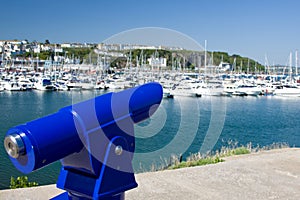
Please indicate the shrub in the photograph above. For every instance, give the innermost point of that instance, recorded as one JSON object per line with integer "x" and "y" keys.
{"x": 197, "y": 162}
{"x": 21, "y": 182}
{"x": 240, "y": 150}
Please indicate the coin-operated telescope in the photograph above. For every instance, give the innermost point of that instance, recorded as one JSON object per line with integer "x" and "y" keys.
{"x": 94, "y": 140}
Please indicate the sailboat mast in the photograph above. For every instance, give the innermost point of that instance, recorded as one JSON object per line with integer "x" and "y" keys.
{"x": 248, "y": 66}
{"x": 296, "y": 63}
{"x": 233, "y": 65}
{"x": 205, "y": 57}
{"x": 241, "y": 67}
{"x": 2, "y": 56}
{"x": 137, "y": 64}
{"x": 212, "y": 60}
{"x": 199, "y": 64}
{"x": 291, "y": 72}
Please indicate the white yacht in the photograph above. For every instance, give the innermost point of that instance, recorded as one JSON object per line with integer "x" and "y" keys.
{"x": 183, "y": 89}
{"x": 86, "y": 86}
{"x": 230, "y": 89}
{"x": 250, "y": 90}
{"x": 25, "y": 84}
{"x": 12, "y": 86}
{"x": 204, "y": 89}
{"x": 74, "y": 85}
{"x": 266, "y": 88}
{"x": 43, "y": 84}
{"x": 119, "y": 83}
{"x": 167, "y": 87}
{"x": 1, "y": 87}
{"x": 287, "y": 91}
{"x": 167, "y": 93}
{"x": 60, "y": 85}
{"x": 101, "y": 85}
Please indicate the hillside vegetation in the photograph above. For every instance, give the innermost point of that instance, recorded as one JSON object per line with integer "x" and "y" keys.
{"x": 184, "y": 59}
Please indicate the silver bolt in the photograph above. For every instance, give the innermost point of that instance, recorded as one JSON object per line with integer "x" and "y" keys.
{"x": 118, "y": 150}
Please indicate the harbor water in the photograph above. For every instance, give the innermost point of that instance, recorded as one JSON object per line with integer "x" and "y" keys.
{"x": 180, "y": 126}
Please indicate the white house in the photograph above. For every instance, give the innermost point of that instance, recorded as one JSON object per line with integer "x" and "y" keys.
{"x": 157, "y": 62}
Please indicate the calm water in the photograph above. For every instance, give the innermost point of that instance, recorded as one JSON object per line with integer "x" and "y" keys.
{"x": 180, "y": 126}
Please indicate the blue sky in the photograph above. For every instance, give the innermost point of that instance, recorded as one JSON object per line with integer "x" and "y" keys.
{"x": 252, "y": 28}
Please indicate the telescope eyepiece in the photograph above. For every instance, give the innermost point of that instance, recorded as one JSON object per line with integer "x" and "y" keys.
{"x": 14, "y": 145}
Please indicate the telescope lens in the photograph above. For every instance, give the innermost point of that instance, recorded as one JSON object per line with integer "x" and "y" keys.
{"x": 14, "y": 145}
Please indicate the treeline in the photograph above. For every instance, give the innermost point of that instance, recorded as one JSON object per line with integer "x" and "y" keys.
{"x": 239, "y": 63}
{"x": 190, "y": 59}
{"x": 79, "y": 53}
{"x": 137, "y": 55}
{"x": 186, "y": 59}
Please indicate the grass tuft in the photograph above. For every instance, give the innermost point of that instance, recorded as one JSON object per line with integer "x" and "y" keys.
{"x": 193, "y": 163}
{"x": 232, "y": 148}
{"x": 212, "y": 158}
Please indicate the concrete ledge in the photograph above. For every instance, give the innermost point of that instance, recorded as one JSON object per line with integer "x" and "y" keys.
{"x": 271, "y": 174}
{"x": 34, "y": 193}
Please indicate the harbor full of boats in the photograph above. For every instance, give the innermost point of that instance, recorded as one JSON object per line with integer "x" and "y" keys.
{"x": 174, "y": 83}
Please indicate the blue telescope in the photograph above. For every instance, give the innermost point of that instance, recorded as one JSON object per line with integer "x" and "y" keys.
{"x": 94, "y": 140}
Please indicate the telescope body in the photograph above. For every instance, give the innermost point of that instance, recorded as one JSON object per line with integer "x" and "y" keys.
{"x": 93, "y": 139}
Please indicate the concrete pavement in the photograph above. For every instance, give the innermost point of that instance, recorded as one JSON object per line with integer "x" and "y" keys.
{"x": 273, "y": 174}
